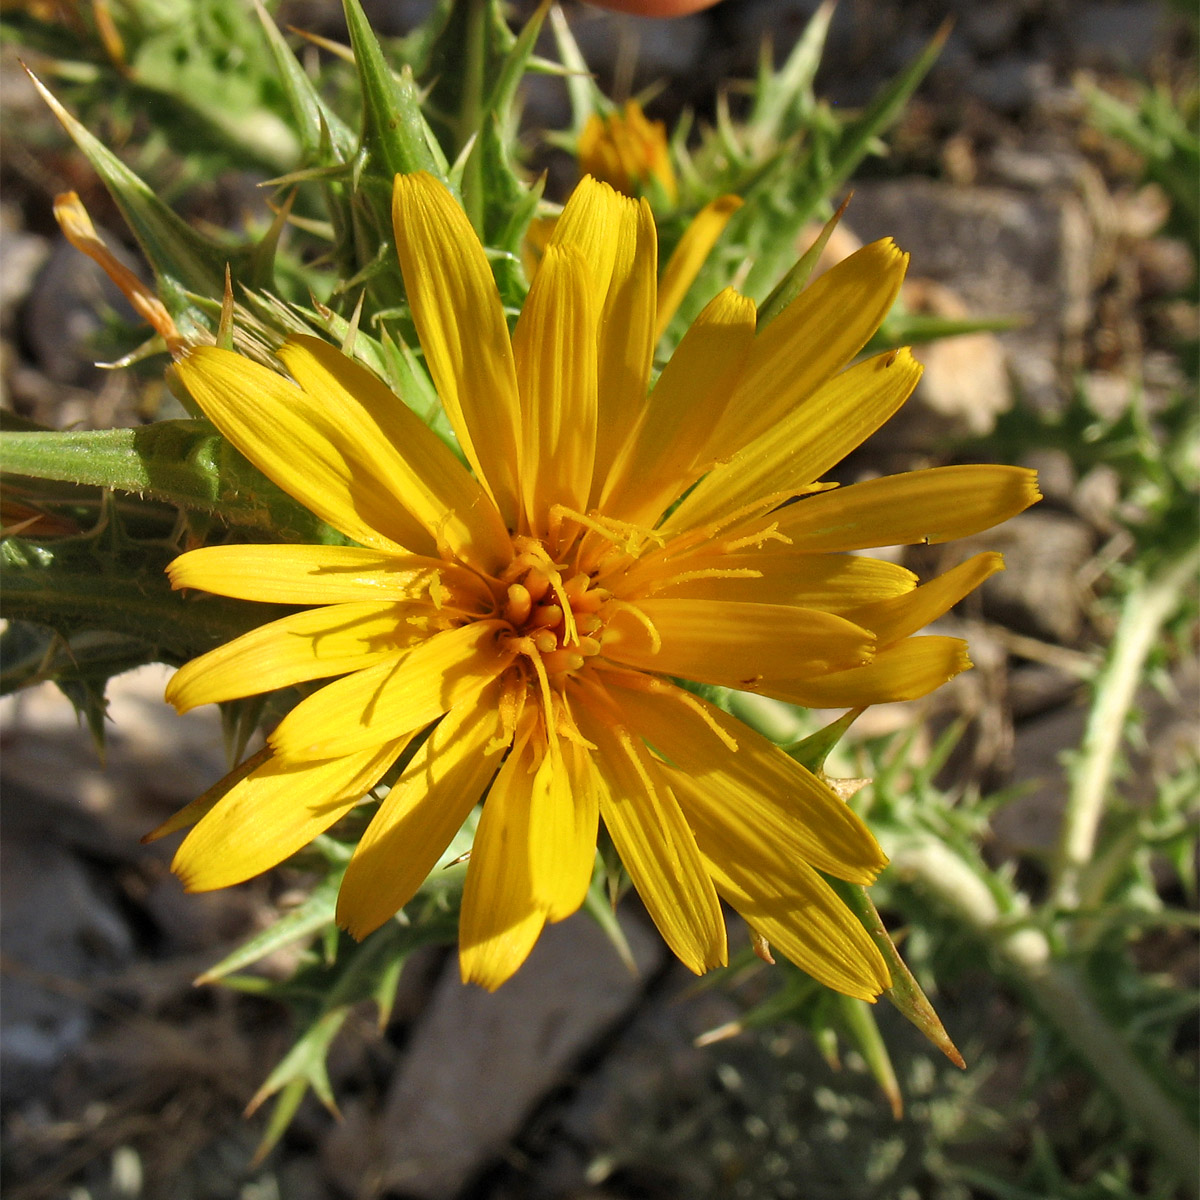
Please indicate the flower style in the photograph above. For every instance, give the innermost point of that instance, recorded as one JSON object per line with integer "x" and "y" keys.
{"x": 628, "y": 151}
{"x": 529, "y": 617}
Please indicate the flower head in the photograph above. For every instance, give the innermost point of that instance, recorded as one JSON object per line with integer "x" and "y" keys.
{"x": 529, "y": 616}
{"x": 628, "y": 151}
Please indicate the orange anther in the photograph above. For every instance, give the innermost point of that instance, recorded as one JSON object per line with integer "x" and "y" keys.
{"x": 519, "y": 606}
{"x": 547, "y": 616}
{"x": 562, "y": 660}
{"x": 538, "y": 584}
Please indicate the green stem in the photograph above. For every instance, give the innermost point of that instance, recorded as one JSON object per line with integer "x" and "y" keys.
{"x": 471, "y": 113}
{"x": 1057, "y": 991}
{"x": 1147, "y": 608}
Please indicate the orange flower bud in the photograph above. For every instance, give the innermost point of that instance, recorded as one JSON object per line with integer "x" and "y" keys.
{"x": 655, "y": 8}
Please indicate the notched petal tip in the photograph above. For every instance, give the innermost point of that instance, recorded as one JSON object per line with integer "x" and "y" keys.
{"x": 357, "y": 927}
{"x": 173, "y": 692}
{"x": 1031, "y": 489}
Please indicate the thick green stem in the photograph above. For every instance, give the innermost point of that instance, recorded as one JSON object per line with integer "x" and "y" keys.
{"x": 1147, "y": 608}
{"x": 470, "y": 116}
{"x": 1057, "y": 991}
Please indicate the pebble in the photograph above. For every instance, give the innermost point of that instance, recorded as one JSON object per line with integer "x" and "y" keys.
{"x": 64, "y": 314}
{"x": 21, "y": 257}
{"x": 990, "y": 27}
{"x": 1039, "y": 593}
{"x": 477, "y": 1062}
{"x": 1010, "y": 83}
{"x": 1004, "y": 252}
{"x": 60, "y": 928}
{"x": 1125, "y": 36}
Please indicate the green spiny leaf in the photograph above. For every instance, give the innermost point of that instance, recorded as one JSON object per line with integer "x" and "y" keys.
{"x": 788, "y": 92}
{"x": 586, "y": 98}
{"x": 183, "y": 260}
{"x": 325, "y": 139}
{"x": 305, "y": 919}
{"x": 77, "y": 585}
{"x": 792, "y": 284}
{"x": 858, "y": 1020}
{"x": 812, "y": 751}
{"x": 905, "y": 993}
{"x": 185, "y": 463}
{"x": 462, "y": 65}
{"x": 395, "y": 134}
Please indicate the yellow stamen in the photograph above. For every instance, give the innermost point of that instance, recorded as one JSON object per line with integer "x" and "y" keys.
{"x": 667, "y": 581}
{"x": 643, "y": 620}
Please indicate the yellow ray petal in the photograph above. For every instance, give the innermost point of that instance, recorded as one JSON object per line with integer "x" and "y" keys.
{"x": 395, "y": 698}
{"x": 689, "y": 255}
{"x": 590, "y": 221}
{"x": 783, "y": 898}
{"x": 456, "y": 309}
{"x": 759, "y": 786}
{"x": 731, "y": 643}
{"x": 416, "y": 464}
{"x": 275, "y": 811}
{"x": 815, "y": 336}
{"x": 891, "y": 620}
{"x": 501, "y": 915}
{"x": 931, "y": 506}
{"x": 661, "y": 455}
{"x": 421, "y": 814}
{"x": 655, "y": 843}
{"x": 906, "y": 671}
{"x": 315, "y": 644}
{"x": 618, "y": 239}
{"x": 190, "y": 813}
{"x": 625, "y": 345}
{"x": 322, "y": 575}
{"x": 297, "y": 446}
{"x": 564, "y": 815}
{"x": 835, "y": 583}
{"x": 805, "y": 442}
{"x": 554, "y": 345}
{"x": 803, "y": 919}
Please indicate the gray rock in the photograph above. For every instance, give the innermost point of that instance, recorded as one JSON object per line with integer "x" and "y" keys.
{"x": 21, "y": 256}
{"x": 478, "y": 1063}
{"x": 965, "y": 386}
{"x": 64, "y": 313}
{"x": 636, "y": 51}
{"x": 991, "y": 27}
{"x": 1029, "y": 823}
{"x": 1010, "y": 83}
{"x": 58, "y": 929}
{"x": 1040, "y": 593}
{"x": 1005, "y": 253}
{"x": 1037, "y": 688}
{"x": 1168, "y": 735}
{"x": 1165, "y": 267}
{"x": 1120, "y": 35}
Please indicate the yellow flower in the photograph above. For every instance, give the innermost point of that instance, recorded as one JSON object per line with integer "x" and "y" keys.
{"x": 530, "y": 615}
{"x": 627, "y": 151}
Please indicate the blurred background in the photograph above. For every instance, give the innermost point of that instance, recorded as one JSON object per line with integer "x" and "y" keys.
{"x": 1045, "y": 171}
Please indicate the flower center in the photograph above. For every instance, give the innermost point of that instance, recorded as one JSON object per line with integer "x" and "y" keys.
{"x": 556, "y": 618}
